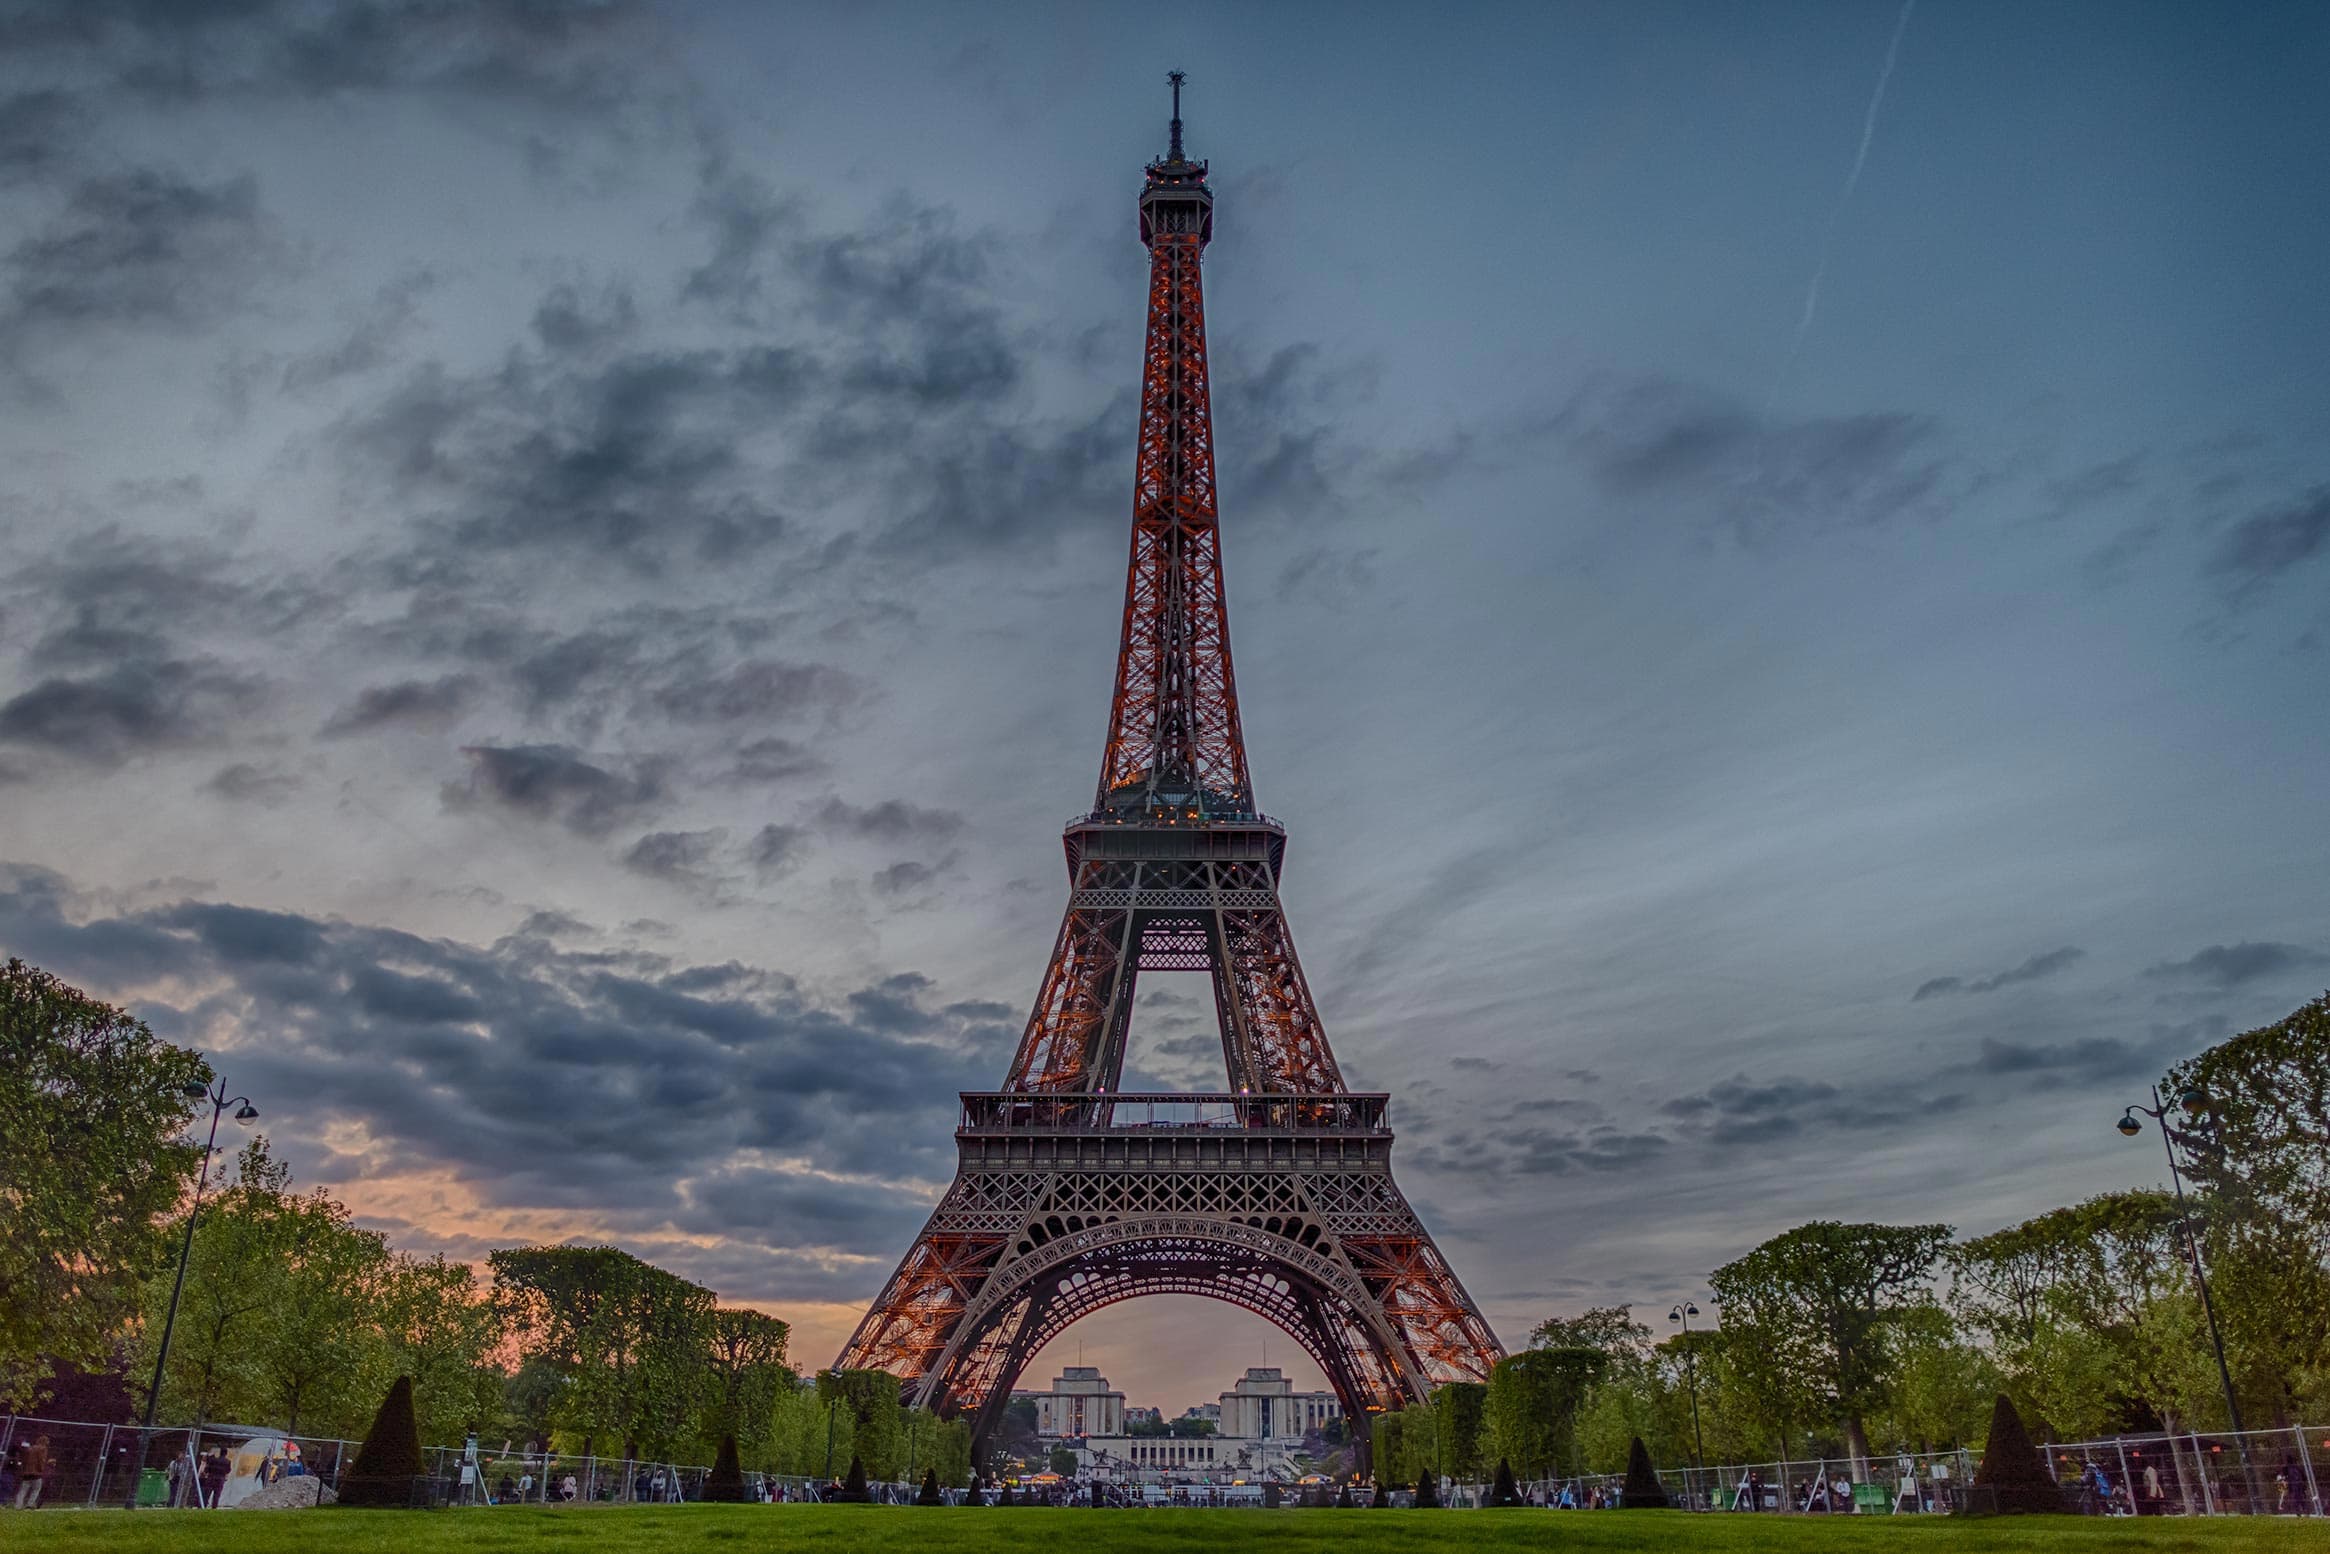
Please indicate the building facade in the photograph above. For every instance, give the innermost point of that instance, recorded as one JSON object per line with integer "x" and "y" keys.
{"x": 1081, "y": 1403}
{"x": 1262, "y": 1421}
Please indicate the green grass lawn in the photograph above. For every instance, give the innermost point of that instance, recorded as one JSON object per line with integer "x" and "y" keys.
{"x": 847, "y": 1529}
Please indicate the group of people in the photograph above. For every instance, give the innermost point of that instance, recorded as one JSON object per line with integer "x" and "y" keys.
{"x": 199, "y": 1482}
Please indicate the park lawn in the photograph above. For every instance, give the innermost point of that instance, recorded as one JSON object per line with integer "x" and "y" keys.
{"x": 813, "y": 1529}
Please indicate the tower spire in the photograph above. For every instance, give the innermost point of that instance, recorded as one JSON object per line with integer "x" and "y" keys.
{"x": 1173, "y": 152}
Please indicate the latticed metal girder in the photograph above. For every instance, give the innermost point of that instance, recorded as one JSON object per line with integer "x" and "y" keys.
{"x": 1278, "y": 1198}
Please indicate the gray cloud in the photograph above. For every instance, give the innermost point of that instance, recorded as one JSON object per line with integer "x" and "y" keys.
{"x": 245, "y": 783}
{"x": 1658, "y": 440}
{"x": 2031, "y": 970}
{"x": 547, "y": 1079}
{"x": 136, "y": 707}
{"x": 555, "y": 782}
{"x": 2231, "y": 965}
{"x": 142, "y": 248}
{"x": 2277, "y": 540}
{"x": 679, "y": 857}
{"x": 892, "y": 820}
{"x": 426, "y": 704}
{"x": 775, "y": 850}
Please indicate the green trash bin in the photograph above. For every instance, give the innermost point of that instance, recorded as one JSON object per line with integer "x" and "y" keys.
{"x": 1872, "y": 1500}
{"x": 153, "y": 1486}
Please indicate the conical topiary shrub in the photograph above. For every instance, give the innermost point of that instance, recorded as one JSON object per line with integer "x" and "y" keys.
{"x": 725, "y": 1485}
{"x": 2012, "y": 1479}
{"x": 1007, "y": 1499}
{"x": 973, "y": 1495}
{"x": 388, "y": 1464}
{"x": 1504, "y": 1491}
{"x": 853, "y": 1483}
{"x": 1383, "y": 1496}
{"x": 1343, "y": 1497}
{"x": 1642, "y": 1490}
{"x": 1427, "y": 1492}
{"x": 1270, "y": 1500}
{"x": 930, "y": 1494}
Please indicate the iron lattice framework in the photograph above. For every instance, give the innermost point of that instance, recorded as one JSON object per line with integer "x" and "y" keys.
{"x": 1071, "y": 1196}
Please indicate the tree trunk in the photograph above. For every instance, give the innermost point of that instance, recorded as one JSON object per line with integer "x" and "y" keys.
{"x": 1857, "y": 1447}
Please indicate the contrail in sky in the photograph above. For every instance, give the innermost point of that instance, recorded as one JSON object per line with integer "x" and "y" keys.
{"x": 1836, "y": 212}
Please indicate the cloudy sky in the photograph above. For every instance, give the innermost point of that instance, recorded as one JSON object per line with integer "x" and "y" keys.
{"x": 562, "y": 564}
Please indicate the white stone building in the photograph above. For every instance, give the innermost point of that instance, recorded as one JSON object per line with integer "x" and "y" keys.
{"x": 1081, "y": 1403}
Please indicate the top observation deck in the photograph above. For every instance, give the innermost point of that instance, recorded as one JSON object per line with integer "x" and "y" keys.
{"x": 987, "y": 1113}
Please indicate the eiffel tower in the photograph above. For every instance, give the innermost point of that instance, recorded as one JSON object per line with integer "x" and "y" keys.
{"x": 1070, "y": 1195}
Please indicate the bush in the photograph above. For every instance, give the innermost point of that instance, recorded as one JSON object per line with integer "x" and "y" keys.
{"x": 1343, "y": 1497}
{"x": 1427, "y": 1493}
{"x": 389, "y": 1461}
{"x": 2012, "y": 1479}
{"x": 973, "y": 1497}
{"x": 726, "y": 1483}
{"x": 1383, "y": 1495}
{"x": 930, "y": 1494}
{"x": 1007, "y": 1497}
{"x": 1270, "y": 1500}
{"x": 1504, "y": 1491}
{"x": 1642, "y": 1490}
{"x": 853, "y": 1484}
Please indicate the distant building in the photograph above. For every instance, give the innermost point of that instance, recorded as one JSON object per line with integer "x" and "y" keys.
{"x": 1134, "y": 1416}
{"x": 1080, "y": 1403}
{"x": 1260, "y": 1424}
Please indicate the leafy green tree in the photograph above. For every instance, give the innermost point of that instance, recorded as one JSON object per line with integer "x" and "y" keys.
{"x": 319, "y": 1329}
{"x": 1529, "y": 1410}
{"x": 1943, "y": 1386}
{"x": 2089, "y": 1310}
{"x": 1611, "y": 1329}
{"x": 442, "y": 1330}
{"x": 1457, "y": 1411}
{"x": 630, "y": 1340}
{"x": 870, "y": 1412}
{"x": 747, "y": 1358}
{"x": 1835, "y": 1292}
{"x": 93, "y": 1115}
{"x": 1062, "y": 1461}
{"x": 2261, "y": 1166}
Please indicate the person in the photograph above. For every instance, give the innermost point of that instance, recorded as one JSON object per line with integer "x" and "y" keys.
{"x": 566, "y": 1487}
{"x": 526, "y": 1482}
{"x": 2152, "y": 1496}
{"x": 175, "y": 1476}
{"x": 216, "y": 1466}
{"x": 31, "y": 1472}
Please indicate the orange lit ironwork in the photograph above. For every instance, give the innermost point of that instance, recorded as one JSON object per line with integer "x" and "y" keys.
{"x": 1070, "y": 1196}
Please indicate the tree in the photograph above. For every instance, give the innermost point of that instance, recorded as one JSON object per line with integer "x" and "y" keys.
{"x": 1642, "y": 1490}
{"x": 1611, "y": 1329}
{"x": 2260, "y": 1151}
{"x": 1062, "y": 1461}
{"x": 1529, "y": 1409}
{"x": 2012, "y": 1476}
{"x": 390, "y": 1459}
{"x": 868, "y": 1400}
{"x": 1457, "y": 1408}
{"x": 91, "y": 1107}
{"x": 2090, "y": 1311}
{"x": 725, "y": 1483}
{"x": 630, "y": 1341}
{"x": 1836, "y": 1290}
{"x": 746, "y": 1355}
{"x": 441, "y": 1330}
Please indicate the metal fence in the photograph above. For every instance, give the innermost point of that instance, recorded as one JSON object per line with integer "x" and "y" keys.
{"x": 97, "y": 1464}
{"x": 2280, "y": 1472}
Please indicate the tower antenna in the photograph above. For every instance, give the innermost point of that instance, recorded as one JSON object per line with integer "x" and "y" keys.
{"x": 1176, "y": 77}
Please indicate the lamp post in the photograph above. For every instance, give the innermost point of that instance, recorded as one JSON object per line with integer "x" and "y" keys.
{"x": 1683, "y": 1314}
{"x": 245, "y": 1114}
{"x": 2194, "y": 1101}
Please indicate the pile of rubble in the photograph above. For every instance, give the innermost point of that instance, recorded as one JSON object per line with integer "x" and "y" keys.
{"x": 289, "y": 1494}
